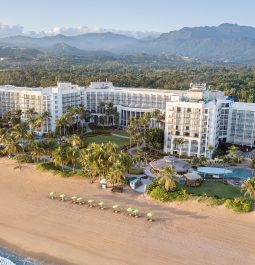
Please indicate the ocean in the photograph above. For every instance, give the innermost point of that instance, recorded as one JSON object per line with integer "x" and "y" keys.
{"x": 9, "y": 258}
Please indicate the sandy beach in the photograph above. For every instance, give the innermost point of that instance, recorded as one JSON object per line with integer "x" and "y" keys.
{"x": 57, "y": 232}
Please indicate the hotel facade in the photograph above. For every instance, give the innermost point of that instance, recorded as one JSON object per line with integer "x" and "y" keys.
{"x": 202, "y": 117}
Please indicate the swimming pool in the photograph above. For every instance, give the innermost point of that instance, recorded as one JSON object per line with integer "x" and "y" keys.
{"x": 240, "y": 172}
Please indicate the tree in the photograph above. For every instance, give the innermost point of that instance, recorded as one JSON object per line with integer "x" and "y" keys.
{"x": 37, "y": 150}
{"x": 11, "y": 146}
{"x": 102, "y": 120}
{"x": 248, "y": 187}
{"x": 210, "y": 149}
{"x": 131, "y": 132}
{"x": 75, "y": 141}
{"x": 154, "y": 138}
{"x": 168, "y": 176}
{"x": 233, "y": 150}
{"x": 180, "y": 142}
{"x": 60, "y": 156}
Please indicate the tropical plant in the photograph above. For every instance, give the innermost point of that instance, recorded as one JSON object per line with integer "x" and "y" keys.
{"x": 168, "y": 176}
{"x": 248, "y": 188}
{"x": 180, "y": 142}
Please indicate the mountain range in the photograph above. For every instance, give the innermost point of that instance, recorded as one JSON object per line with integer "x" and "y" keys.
{"x": 229, "y": 43}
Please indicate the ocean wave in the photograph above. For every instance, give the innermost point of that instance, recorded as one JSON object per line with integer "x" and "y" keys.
{"x": 4, "y": 261}
{"x": 9, "y": 258}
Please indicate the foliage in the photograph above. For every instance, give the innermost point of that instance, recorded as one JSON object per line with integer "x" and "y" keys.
{"x": 136, "y": 171}
{"x": 56, "y": 170}
{"x": 24, "y": 158}
{"x": 248, "y": 188}
{"x": 239, "y": 205}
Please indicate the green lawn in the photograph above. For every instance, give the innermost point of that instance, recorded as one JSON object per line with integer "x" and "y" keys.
{"x": 104, "y": 138}
{"x": 121, "y": 133}
{"x": 216, "y": 188}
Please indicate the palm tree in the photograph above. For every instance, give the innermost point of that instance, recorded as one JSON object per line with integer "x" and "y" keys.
{"x": 75, "y": 141}
{"x": 45, "y": 120}
{"x": 37, "y": 150}
{"x": 179, "y": 141}
{"x": 168, "y": 176}
{"x": 73, "y": 155}
{"x": 233, "y": 150}
{"x": 210, "y": 149}
{"x": 248, "y": 187}
{"x": 116, "y": 173}
{"x": 102, "y": 120}
{"x": 60, "y": 156}
{"x": 131, "y": 132}
{"x": 11, "y": 146}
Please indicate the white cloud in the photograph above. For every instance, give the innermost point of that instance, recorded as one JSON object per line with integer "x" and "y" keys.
{"x": 6, "y": 31}
{"x": 72, "y": 31}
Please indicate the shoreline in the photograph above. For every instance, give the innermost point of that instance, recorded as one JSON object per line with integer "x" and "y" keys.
{"x": 41, "y": 258}
{"x": 56, "y": 232}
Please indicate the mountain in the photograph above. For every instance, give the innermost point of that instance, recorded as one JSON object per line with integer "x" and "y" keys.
{"x": 10, "y": 52}
{"x": 224, "y": 43}
{"x": 227, "y": 42}
{"x": 90, "y": 41}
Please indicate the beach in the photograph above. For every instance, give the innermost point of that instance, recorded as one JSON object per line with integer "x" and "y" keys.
{"x": 54, "y": 232}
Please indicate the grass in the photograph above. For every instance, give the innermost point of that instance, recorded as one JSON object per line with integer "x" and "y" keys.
{"x": 216, "y": 189}
{"x": 121, "y": 133}
{"x": 98, "y": 139}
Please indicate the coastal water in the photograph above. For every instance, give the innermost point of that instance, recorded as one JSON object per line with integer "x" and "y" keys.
{"x": 9, "y": 258}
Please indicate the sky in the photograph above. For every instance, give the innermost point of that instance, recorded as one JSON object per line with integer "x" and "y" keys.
{"x": 136, "y": 15}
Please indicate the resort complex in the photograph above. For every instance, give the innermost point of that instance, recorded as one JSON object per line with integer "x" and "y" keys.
{"x": 200, "y": 116}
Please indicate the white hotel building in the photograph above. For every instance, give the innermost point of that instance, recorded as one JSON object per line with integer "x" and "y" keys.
{"x": 200, "y": 116}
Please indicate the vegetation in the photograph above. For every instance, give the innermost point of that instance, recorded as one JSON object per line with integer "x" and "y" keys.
{"x": 239, "y": 205}
{"x": 236, "y": 81}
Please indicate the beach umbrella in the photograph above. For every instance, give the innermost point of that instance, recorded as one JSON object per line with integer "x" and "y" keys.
{"x": 136, "y": 212}
{"x": 74, "y": 199}
{"x": 150, "y": 216}
{"x": 80, "y": 200}
{"x": 63, "y": 196}
{"x": 53, "y": 195}
{"x": 101, "y": 205}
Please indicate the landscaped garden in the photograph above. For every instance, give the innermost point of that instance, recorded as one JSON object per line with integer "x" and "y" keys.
{"x": 104, "y": 138}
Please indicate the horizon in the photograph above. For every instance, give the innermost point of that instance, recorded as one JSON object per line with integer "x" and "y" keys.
{"x": 156, "y": 17}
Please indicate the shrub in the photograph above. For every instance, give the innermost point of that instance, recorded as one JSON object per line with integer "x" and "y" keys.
{"x": 152, "y": 185}
{"x": 160, "y": 194}
{"x": 239, "y": 205}
{"x": 24, "y": 158}
{"x": 56, "y": 170}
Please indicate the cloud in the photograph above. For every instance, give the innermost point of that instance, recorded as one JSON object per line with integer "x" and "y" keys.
{"x": 6, "y": 31}
{"x": 72, "y": 31}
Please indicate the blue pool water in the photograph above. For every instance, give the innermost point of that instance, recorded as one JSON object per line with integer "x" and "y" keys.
{"x": 9, "y": 258}
{"x": 240, "y": 172}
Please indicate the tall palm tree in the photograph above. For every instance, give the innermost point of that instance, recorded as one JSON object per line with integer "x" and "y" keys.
{"x": 73, "y": 155}
{"x": 210, "y": 149}
{"x": 179, "y": 141}
{"x": 37, "y": 150}
{"x": 11, "y": 146}
{"x": 131, "y": 132}
{"x": 168, "y": 176}
{"x": 60, "y": 156}
{"x": 248, "y": 187}
{"x": 233, "y": 150}
{"x": 116, "y": 173}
